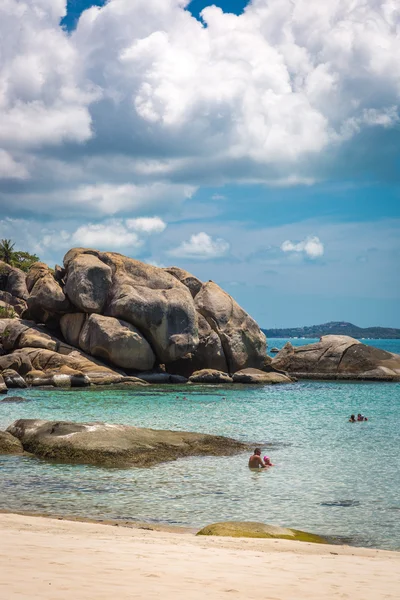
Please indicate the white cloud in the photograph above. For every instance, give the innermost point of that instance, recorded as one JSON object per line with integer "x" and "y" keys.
{"x": 105, "y": 235}
{"x": 142, "y": 98}
{"x": 201, "y": 246}
{"x": 9, "y": 168}
{"x": 44, "y": 96}
{"x": 146, "y": 225}
{"x": 311, "y": 247}
{"x": 114, "y": 234}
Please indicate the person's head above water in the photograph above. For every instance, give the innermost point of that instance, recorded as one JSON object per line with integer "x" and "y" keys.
{"x": 267, "y": 461}
{"x": 352, "y": 418}
{"x": 257, "y": 452}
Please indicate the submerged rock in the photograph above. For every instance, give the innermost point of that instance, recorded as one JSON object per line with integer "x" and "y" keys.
{"x": 115, "y": 445}
{"x": 9, "y": 444}
{"x": 14, "y": 400}
{"x": 338, "y": 357}
{"x": 255, "y": 376}
{"x": 249, "y": 529}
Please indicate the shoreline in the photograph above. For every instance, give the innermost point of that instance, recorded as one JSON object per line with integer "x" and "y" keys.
{"x": 53, "y": 559}
{"x": 143, "y": 525}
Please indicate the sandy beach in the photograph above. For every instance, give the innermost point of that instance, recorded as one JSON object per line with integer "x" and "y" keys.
{"x": 58, "y": 559}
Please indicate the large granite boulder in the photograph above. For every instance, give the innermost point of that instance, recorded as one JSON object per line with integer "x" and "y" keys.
{"x": 338, "y": 357}
{"x": 255, "y": 376}
{"x": 250, "y": 529}
{"x": 71, "y": 327}
{"x": 9, "y": 444}
{"x": 190, "y": 281}
{"x": 116, "y": 341}
{"x": 12, "y": 280}
{"x": 148, "y": 297}
{"x": 208, "y": 355}
{"x": 243, "y": 342}
{"x": 46, "y": 297}
{"x": 115, "y": 445}
{"x": 210, "y": 376}
{"x": 17, "y": 304}
{"x": 88, "y": 280}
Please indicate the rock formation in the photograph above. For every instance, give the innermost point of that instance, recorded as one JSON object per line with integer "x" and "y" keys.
{"x": 13, "y": 288}
{"x": 104, "y": 318}
{"x": 137, "y": 318}
{"x": 338, "y": 357}
{"x": 39, "y": 358}
{"x": 115, "y": 445}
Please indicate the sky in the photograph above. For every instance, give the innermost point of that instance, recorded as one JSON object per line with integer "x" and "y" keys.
{"x": 255, "y": 143}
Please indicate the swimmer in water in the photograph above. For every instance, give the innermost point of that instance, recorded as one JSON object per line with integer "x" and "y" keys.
{"x": 267, "y": 461}
{"x": 352, "y": 419}
{"x": 361, "y": 417}
{"x": 255, "y": 461}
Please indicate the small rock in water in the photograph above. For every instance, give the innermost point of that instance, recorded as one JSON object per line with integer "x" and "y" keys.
{"x": 14, "y": 400}
{"x": 342, "y": 503}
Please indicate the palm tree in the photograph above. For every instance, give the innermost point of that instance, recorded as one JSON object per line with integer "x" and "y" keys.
{"x": 6, "y": 251}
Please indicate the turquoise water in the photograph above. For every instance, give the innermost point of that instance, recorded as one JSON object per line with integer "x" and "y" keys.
{"x": 331, "y": 477}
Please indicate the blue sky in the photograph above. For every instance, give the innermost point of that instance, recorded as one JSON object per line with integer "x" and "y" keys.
{"x": 259, "y": 150}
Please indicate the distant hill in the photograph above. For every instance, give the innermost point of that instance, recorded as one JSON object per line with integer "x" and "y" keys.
{"x": 335, "y": 328}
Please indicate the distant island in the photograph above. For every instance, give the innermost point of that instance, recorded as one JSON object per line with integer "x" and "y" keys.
{"x": 334, "y": 328}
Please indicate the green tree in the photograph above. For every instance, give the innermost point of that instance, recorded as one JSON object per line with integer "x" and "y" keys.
{"x": 24, "y": 260}
{"x": 16, "y": 258}
{"x": 7, "y": 251}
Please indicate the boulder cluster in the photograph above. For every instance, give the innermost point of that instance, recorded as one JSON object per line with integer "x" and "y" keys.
{"x": 105, "y": 318}
{"x": 338, "y": 357}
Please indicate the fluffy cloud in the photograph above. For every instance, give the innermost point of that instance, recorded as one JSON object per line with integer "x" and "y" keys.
{"x": 115, "y": 234}
{"x": 143, "y": 97}
{"x": 146, "y": 225}
{"x": 201, "y": 246}
{"x": 311, "y": 247}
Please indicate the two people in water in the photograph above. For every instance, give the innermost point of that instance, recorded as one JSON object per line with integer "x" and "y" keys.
{"x": 360, "y": 417}
{"x": 256, "y": 462}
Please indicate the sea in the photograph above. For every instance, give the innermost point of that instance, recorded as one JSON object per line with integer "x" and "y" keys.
{"x": 331, "y": 477}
